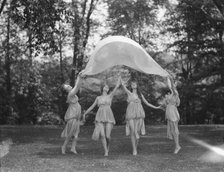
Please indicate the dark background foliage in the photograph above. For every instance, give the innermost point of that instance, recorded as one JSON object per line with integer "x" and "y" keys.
{"x": 35, "y": 37}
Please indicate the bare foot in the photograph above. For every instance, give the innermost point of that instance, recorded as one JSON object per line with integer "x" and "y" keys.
{"x": 74, "y": 151}
{"x": 177, "y": 149}
{"x": 106, "y": 154}
{"x": 134, "y": 153}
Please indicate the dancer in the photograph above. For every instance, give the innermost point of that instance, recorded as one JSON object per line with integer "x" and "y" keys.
{"x": 72, "y": 116}
{"x": 172, "y": 115}
{"x": 134, "y": 116}
{"x": 104, "y": 119}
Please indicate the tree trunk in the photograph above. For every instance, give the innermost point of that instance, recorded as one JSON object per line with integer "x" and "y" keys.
{"x": 221, "y": 54}
{"x": 88, "y": 23}
{"x": 61, "y": 60}
{"x": 30, "y": 46}
{"x": 75, "y": 52}
{"x": 2, "y": 6}
{"x": 82, "y": 27}
{"x": 76, "y": 39}
{"x": 8, "y": 71}
{"x": 7, "y": 59}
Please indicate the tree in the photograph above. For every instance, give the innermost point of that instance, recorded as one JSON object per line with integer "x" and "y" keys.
{"x": 10, "y": 49}
{"x": 134, "y": 19}
{"x": 199, "y": 47}
{"x": 80, "y": 15}
{"x": 2, "y": 6}
{"x": 36, "y": 20}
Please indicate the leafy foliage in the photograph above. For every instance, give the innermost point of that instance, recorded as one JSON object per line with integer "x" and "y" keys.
{"x": 134, "y": 19}
{"x": 196, "y": 26}
{"x": 45, "y": 43}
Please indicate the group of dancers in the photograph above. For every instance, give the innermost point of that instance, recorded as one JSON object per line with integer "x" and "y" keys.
{"x": 104, "y": 120}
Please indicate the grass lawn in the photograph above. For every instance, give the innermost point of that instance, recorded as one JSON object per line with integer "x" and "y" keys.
{"x": 38, "y": 148}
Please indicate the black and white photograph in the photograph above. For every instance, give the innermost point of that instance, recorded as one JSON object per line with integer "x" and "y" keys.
{"x": 111, "y": 85}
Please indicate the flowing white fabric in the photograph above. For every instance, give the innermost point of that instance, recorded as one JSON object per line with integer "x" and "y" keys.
{"x": 119, "y": 50}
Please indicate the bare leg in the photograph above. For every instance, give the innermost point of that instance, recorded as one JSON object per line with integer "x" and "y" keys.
{"x": 103, "y": 138}
{"x": 63, "y": 148}
{"x": 133, "y": 141}
{"x": 133, "y": 137}
{"x": 177, "y": 145}
{"x": 175, "y": 134}
{"x": 136, "y": 127}
{"x": 109, "y": 127}
{"x": 74, "y": 143}
{"x": 104, "y": 142}
{"x": 137, "y": 131}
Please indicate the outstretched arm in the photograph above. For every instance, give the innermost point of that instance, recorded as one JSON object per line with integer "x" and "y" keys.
{"x": 116, "y": 87}
{"x": 148, "y": 104}
{"x": 125, "y": 88}
{"x": 90, "y": 108}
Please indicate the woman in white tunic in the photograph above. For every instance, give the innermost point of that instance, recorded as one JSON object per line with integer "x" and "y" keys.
{"x": 72, "y": 117}
{"x": 172, "y": 115}
{"x": 172, "y": 101}
{"x": 104, "y": 120}
{"x": 135, "y": 115}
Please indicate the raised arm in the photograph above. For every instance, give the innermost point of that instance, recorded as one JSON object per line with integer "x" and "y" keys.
{"x": 116, "y": 87}
{"x": 77, "y": 86}
{"x": 125, "y": 88}
{"x": 148, "y": 104}
{"x": 171, "y": 85}
{"x": 90, "y": 108}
